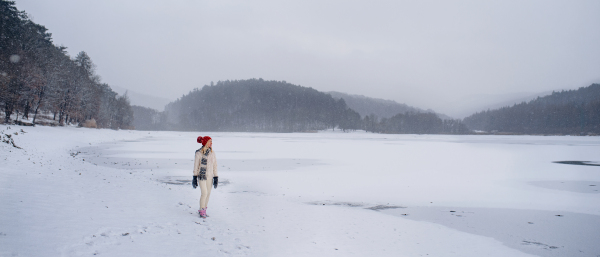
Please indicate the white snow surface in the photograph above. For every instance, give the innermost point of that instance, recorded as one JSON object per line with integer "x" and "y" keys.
{"x": 82, "y": 192}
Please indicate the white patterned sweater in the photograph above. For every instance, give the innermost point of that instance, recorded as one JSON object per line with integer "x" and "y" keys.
{"x": 211, "y": 166}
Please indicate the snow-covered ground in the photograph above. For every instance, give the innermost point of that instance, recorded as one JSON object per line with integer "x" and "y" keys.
{"x": 81, "y": 192}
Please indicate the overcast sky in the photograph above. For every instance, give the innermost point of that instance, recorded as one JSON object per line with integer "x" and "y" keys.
{"x": 428, "y": 54}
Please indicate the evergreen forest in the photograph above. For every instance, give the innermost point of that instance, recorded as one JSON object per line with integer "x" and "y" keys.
{"x": 41, "y": 83}
{"x": 574, "y": 112}
{"x": 257, "y": 105}
{"x": 367, "y": 105}
{"x": 414, "y": 123}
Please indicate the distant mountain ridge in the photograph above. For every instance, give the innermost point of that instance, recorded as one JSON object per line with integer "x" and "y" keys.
{"x": 565, "y": 112}
{"x": 382, "y": 108}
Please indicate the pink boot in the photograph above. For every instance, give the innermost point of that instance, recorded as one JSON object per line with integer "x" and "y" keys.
{"x": 202, "y": 213}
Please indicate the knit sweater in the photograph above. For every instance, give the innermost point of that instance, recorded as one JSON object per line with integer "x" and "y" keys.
{"x": 211, "y": 166}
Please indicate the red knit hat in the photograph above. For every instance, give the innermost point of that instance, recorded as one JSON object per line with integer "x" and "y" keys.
{"x": 203, "y": 140}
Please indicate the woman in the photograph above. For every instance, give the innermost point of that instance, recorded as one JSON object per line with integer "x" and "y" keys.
{"x": 205, "y": 172}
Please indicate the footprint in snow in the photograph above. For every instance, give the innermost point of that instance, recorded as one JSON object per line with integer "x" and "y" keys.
{"x": 110, "y": 237}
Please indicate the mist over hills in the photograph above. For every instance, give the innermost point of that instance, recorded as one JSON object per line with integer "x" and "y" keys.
{"x": 145, "y": 100}
{"x": 565, "y": 112}
{"x": 468, "y": 105}
{"x": 257, "y": 105}
{"x": 382, "y": 108}
{"x": 277, "y": 106}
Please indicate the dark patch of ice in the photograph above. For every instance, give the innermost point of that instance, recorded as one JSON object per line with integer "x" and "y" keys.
{"x": 586, "y": 163}
{"x": 384, "y": 207}
{"x": 544, "y": 246}
{"x": 330, "y": 203}
{"x": 350, "y": 204}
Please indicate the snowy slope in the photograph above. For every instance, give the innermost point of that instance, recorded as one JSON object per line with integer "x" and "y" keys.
{"x": 81, "y": 192}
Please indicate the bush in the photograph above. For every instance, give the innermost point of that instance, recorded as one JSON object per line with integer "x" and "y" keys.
{"x": 90, "y": 124}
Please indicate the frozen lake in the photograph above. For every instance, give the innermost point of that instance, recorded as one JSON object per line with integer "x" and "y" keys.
{"x": 506, "y": 187}
{"x": 344, "y": 194}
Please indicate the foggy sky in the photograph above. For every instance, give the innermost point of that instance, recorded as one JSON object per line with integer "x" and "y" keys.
{"x": 428, "y": 54}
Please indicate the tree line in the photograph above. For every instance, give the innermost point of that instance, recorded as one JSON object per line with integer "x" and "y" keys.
{"x": 414, "y": 123}
{"x": 565, "y": 112}
{"x": 256, "y": 105}
{"x": 38, "y": 77}
{"x": 145, "y": 118}
{"x": 380, "y": 107}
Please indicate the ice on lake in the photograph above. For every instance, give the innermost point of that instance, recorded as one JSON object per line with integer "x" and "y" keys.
{"x": 355, "y": 193}
{"x": 513, "y": 179}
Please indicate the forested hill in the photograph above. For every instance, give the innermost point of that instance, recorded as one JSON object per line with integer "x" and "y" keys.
{"x": 278, "y": 106}
{"x": 41, "y": 84}
{"x": 565, "y": 112}
{"x": 259, "y": 105}
{"x": 380, "y": 107}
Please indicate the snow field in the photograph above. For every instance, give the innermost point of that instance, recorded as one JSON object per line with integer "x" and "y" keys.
{"x": 291, "y": 194}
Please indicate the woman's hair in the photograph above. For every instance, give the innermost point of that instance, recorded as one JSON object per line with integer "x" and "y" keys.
{"x": 204, "y": 148}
